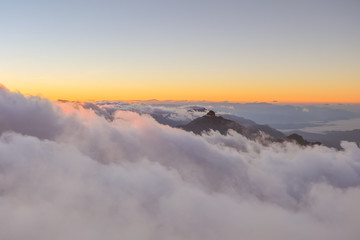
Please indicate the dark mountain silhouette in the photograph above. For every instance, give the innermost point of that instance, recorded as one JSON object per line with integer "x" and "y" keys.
{"x": 300, "y": 140}
{"x": 217, "y": 123}
{"x": 332, "y": 138}
{"x": 256, "y": 127}
{"x": 210, "y": 122}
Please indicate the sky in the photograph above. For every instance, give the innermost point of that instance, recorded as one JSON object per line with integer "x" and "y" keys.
{"x": 285, "y": 51}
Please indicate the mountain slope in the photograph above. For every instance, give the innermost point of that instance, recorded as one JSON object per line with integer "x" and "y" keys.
{"x": 300, "y": 140}
{"x": 332, "y": 138}
{"x": 217, "y": 123}
{"x": 256, "y": 127}
{"x": 210, "y": 122}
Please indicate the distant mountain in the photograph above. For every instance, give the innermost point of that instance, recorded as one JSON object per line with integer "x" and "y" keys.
{"x": 251, "y": 125}
{"x": 256, "y": 127}
{"x": 332, "y": 138}
{"x": 294, "y": 117}
{"x": 165, "y": 119}
{"x": 197, "y": 109}
{"x": 279, "y": 115}
{"x": 300, "y": 140}
{"x": 218, "y": 123}
{"x": 99, "y": 111}
{"x": 171, "y": 119}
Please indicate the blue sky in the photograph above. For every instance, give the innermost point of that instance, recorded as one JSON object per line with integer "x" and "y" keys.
{"x": 127, "y": 44}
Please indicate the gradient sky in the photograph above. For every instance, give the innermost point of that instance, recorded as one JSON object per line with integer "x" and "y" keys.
{"x": 289, "y": 51}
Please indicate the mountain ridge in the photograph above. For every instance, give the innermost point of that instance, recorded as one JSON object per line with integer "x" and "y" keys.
{"x": 210, "y": 122}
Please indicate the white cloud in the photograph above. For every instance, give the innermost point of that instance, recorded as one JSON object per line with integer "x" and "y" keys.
{"x": 70, "y": 174}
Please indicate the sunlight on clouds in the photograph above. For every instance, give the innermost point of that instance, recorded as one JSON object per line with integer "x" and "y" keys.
{"x": 65, "y": 177}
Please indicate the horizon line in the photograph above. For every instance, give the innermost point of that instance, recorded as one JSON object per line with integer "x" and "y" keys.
{"x": 154, "y": 100}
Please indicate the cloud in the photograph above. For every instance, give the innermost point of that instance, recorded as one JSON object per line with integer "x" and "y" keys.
{"x": 305, "y": 110}
{"x": 66, "y": 173}
{"x": 286, "y": 117}
{"x": 178, "y": 112}
{"x": 30, "y": 116}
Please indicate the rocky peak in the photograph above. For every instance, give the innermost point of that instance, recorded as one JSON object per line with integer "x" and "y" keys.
{"x": 211, "y": 114}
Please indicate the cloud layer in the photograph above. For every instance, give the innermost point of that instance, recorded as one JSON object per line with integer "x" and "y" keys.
{"x": 66, "y": 173}
{"x": 295, "y": 116}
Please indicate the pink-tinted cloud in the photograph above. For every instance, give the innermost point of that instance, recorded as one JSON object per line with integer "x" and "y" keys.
{"x": 79, "y": 176}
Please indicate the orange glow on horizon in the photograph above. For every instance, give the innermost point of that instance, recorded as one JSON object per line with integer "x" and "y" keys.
{"x": 236, "y": 88}
{"x": 230, "y": 96}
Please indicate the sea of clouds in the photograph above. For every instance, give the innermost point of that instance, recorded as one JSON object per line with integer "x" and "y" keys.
{"x": 68, "y": 173}
{"x": 279, "y": 116}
